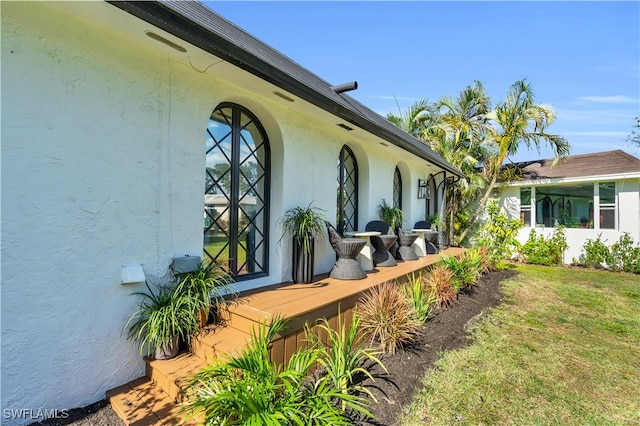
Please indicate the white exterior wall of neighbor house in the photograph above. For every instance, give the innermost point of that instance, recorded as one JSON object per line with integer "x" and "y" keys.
{"x": 103, "y": 165}
{"x": 627, "y": 217}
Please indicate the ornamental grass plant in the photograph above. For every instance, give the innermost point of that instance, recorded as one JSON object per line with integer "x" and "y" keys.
{"x": 388, "y": 317}
{"x": 442, "y": 281}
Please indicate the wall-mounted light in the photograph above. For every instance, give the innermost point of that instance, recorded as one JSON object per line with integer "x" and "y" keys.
{"x": 184, "y": 264}
{"x": 423, "y": 189}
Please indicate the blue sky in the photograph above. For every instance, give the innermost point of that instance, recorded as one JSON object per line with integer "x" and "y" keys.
{"x": 582, "y": 58}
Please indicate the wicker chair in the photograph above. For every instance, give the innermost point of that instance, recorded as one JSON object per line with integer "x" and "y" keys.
{"x": 405, "y": 252}
{"x": 382, "y": 243}
{"x": 431, "y": 248}
{"x": 347, "y": 249}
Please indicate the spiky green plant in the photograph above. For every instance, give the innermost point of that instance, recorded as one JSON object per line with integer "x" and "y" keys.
{"x": 420, "y": 298}
{"x": 465, "y": 270}
{"x": 387, "y": 317}
{"x": 204, "y": 285}
{"x": 248, "y": 388}
{"x": 344, "y": 355}
{"x": 161, "y": 316}
{"x": 392, "y": 216}
{"x": 302, "y": 223}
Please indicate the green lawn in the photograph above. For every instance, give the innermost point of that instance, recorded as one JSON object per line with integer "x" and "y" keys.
{"x": 562, "y": 349}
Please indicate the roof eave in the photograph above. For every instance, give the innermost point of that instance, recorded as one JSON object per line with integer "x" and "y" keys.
{"x": 171, "y": 21}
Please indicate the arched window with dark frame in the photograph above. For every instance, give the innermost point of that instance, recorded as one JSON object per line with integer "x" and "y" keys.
{"x": 236, "y": 216}
{"x": 397, "y": 189}
{"x": 347, "y": 197}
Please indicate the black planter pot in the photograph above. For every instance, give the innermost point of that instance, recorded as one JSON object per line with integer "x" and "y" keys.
{"x": 302, "y": 271}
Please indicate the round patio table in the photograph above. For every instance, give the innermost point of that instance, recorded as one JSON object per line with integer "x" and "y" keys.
{"x": 365, "y": 257}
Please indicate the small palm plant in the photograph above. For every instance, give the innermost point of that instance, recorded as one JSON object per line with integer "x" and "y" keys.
{"x": 249, "y": 388}
{"x": 464, "y": 268}
{"x": 392, "y": 216}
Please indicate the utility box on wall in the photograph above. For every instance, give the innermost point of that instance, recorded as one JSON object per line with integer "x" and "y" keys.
{"x": 184, "y": 264}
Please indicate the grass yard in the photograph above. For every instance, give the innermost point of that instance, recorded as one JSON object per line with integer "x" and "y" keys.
{"x": 563, "y": 349}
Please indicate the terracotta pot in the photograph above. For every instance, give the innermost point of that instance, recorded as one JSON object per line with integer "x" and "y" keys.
{"x": 203, "y": 317}
{"x": 165, "y": 352}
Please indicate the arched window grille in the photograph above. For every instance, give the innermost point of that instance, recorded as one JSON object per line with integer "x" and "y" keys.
{"x": 347, "y": 197}
{"x": 236, "y": 219}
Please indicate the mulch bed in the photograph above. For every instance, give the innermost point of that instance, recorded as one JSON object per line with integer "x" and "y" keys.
{"x": 446, "y": 330}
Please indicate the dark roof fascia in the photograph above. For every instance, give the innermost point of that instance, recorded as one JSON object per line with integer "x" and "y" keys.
{"x": 172, "y": 17}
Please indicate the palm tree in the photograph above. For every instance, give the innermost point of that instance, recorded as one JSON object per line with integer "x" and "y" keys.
{"x": 418, "y": 117}
{"x": 517, "y": 120}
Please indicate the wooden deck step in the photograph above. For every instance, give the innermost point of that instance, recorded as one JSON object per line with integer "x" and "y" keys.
{"x": 142, "y": 403}
{"x": 153, "y": 400}
{"x": 215, "y": 341}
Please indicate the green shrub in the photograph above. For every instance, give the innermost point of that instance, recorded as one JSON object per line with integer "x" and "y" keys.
{"x": 595, "y": 254}
{"x": 498, "y": 234}
{"x": 624, "y": 256}
{"x": 420, "y": 298}
{"x": 387, "y": 317}
{"x": 249, "y": 388}
{"x": 441, "y": 280}
{"x": 542, "y": 251}
{"x": 466, "y": 270}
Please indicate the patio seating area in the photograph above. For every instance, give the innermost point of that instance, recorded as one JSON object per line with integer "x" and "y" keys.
{"x": 152, "y": 399}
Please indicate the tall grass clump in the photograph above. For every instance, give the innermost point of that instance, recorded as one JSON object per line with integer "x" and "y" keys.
{"x": 442, "y": 281}
{"x": 420, "y": 297}
{"x": 387, "y": 317}
{"x": 344, "y": 355}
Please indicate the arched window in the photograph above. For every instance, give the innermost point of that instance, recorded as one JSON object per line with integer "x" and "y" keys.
{"x": 347, "y": 211}
{"x": 397, "y": 189}
{"x": 236, "y": 219}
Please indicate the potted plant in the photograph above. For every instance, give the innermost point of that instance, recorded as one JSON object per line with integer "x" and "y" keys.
{"x": 437, "y": 223}
{"x": 163, "y": 318}
{"x": 204, "y": 288}
{"x": 304, "y": 224}
{"x": 392, "y": 216}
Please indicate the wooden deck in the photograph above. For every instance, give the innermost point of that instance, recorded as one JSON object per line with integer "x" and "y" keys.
{"x": 153, "y": 399}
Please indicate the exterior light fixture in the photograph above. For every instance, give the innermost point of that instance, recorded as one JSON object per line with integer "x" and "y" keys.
{"x": 423, "y": 189}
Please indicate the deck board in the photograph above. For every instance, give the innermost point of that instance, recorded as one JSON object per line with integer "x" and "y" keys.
{"x": 295, "y": 300}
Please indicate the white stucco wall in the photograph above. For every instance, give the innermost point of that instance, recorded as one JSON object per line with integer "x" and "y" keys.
{"x": 103, "y": 165}
{"x": 627, "y": 218}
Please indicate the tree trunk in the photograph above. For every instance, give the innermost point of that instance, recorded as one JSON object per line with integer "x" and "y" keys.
{"x": 302, "y": 262}
{"x": 481, "y": 206}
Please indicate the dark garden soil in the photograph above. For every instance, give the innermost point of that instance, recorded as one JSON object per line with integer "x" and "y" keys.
{"x": 446, "y": 330}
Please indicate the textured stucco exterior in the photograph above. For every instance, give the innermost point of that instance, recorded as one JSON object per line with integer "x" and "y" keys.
{"x": 103, "y": 165}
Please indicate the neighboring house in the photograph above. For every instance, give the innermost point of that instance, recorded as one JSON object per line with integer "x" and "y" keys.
{"x": 118, "y": 121}
{"x": 591, "y": 195}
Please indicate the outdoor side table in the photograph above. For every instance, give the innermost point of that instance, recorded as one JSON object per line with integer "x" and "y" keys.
{"x": 419, "y": 246}
{"x": 365, "y": 257}
{"x": 431, "y": 238}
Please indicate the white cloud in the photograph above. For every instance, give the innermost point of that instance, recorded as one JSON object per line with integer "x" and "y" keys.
{"x": 616, "y": 99}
